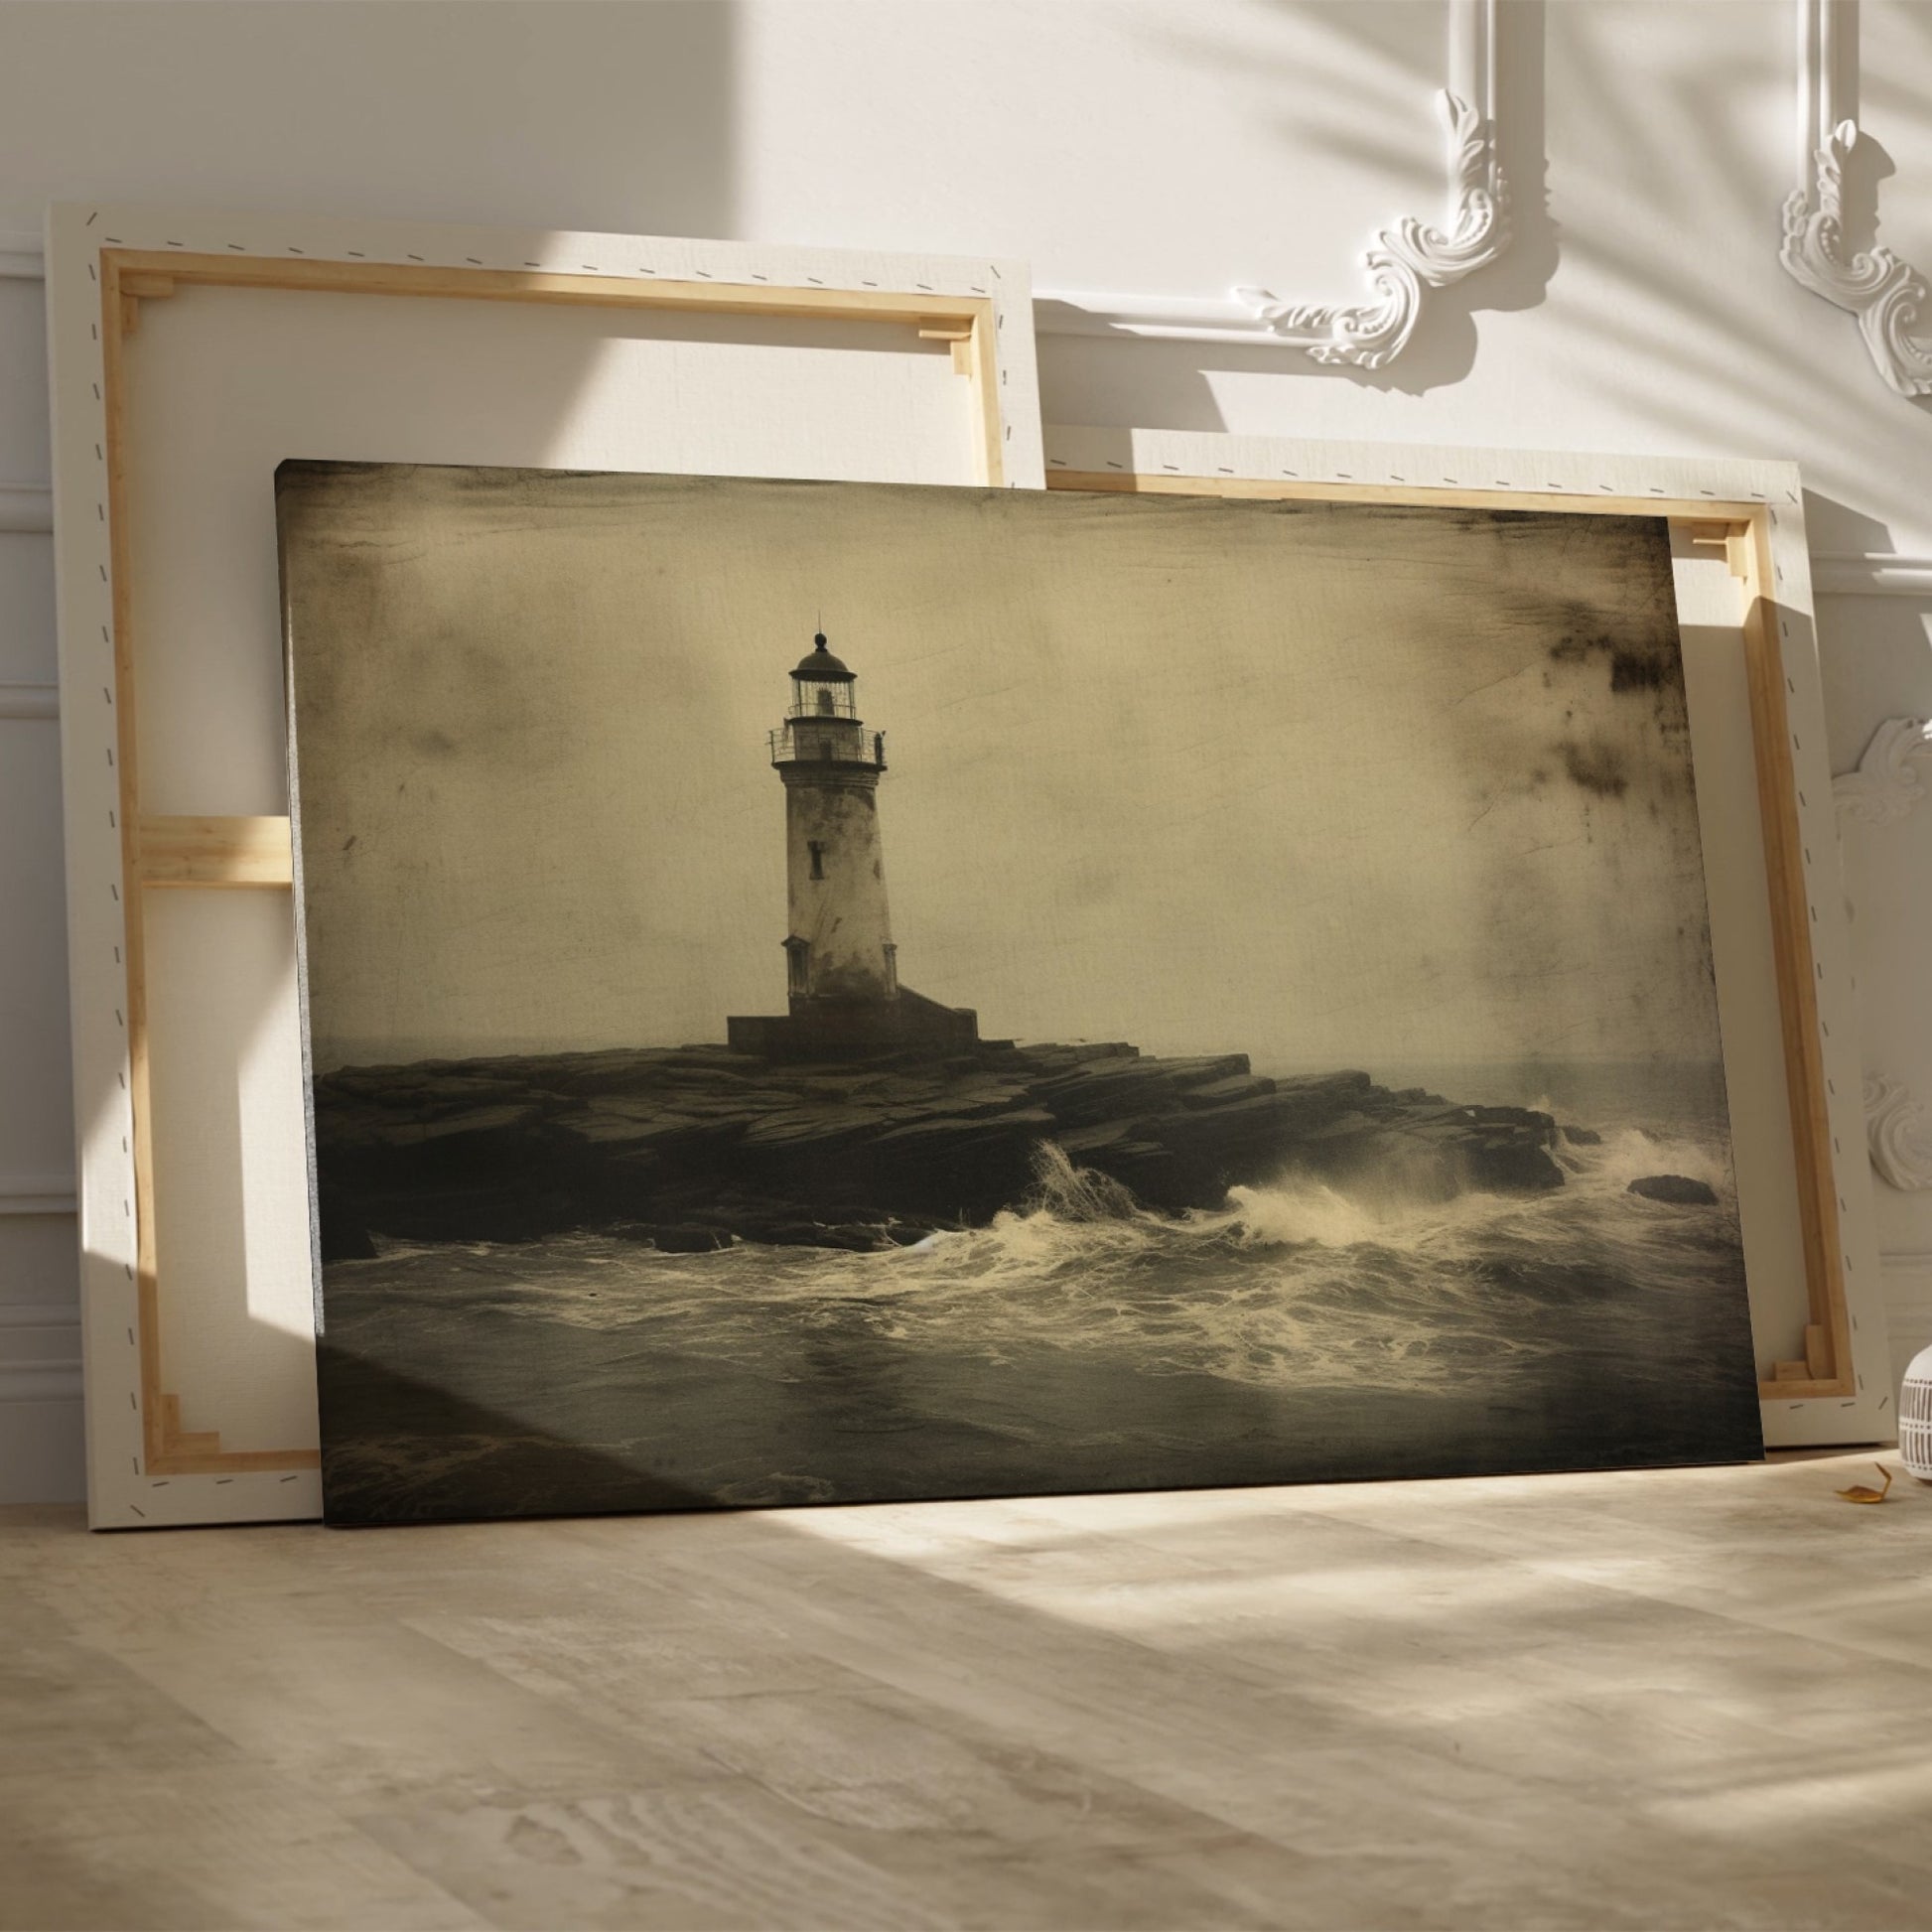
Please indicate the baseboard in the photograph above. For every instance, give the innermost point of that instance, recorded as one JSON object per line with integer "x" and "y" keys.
{"x": 43, "y": 1452}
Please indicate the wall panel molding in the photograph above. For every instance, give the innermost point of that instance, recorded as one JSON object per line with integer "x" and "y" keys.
{"x": 1886, "y": 293}
{"x": 1406, "y": 262}
{"x": 37, "y": 1194}
{"x": 21, "y": 256}
{"x": 1870, "y": 573}
{"x": 1908, "y": 1304}
{"x": 25, "y": 507}
{"x": 40, "y": 1351}
{"x": 1889, "y": 786}
{"x": 30, "y": 701}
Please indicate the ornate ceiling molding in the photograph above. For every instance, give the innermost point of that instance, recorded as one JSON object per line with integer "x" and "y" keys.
{"x": 1900, "y": 1134}
{"x": 1886, "y": 784}
{"x": 1406, "y": 262}
{"x": 1887, "y": 295}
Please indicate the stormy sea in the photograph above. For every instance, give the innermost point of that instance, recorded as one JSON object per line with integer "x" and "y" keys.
{"x": 1303, "y": 1330}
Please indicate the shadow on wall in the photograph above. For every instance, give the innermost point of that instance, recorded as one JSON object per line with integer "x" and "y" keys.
{"x": 1721, "y": 350}
{"x": 395, "y": 114}
{"x": 1444, "y": 349}
{"x": 1352, "y": 127}
{"x": 1875, "y": 646}
{"x": 1869, "y": 165}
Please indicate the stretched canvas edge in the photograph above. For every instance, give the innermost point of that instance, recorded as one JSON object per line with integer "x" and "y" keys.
{"x": 120, "y": 1402}
{"x": 1426, "y": 473}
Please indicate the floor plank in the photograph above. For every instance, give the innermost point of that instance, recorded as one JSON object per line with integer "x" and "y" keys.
{"x": 1683, "y": 1697}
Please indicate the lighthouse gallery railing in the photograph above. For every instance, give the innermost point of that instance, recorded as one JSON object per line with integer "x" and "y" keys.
{"x": 800, "y": 744}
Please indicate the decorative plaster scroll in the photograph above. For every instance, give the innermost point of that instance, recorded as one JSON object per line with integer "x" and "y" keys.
{"x": 1404, "y": 262}
{"x": 1407, "y": 259}
{"x": 1888, "y": 296}
{"x": 1900, "y": 1134}
{"x": 1886, "y": 784}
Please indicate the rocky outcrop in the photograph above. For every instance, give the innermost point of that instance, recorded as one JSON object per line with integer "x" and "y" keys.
{"x": 1680, "y": 1190}
{"x": 693, "y": 1147}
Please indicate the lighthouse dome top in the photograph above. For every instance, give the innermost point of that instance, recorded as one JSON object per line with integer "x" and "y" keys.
{"x": 820, "y": 665}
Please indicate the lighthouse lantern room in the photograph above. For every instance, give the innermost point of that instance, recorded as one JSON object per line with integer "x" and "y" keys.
{"x": 823, "y": 724}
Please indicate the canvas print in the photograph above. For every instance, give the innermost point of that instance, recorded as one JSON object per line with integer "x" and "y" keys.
{"x": 829, "y": 992}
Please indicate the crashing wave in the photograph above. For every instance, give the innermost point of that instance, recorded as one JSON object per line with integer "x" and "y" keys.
{"x": 1076, "y": 1194}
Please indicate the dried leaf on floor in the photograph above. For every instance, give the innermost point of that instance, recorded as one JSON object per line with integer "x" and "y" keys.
{"x": 1863, "y": 1493}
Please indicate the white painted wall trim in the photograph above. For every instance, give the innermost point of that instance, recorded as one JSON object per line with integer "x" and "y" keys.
{"x": 1887, "y": 786}
{"x": 29, "y": 701}
{"x": 40, "y": 1351}
{"x": 1908, "y": 1303}
{"x": 37, "y": 1194}
{"x": 1870, "y": 573}
{"x": 25, "y": 506}
{"x": 1405, "y": 262}
{"x": 1887, "y": 295}
{"x": 1909, "y": 1275}
{"x": 21, "y": 257}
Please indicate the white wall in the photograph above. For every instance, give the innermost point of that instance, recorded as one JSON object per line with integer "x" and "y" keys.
{"x": 1177, "y": 146}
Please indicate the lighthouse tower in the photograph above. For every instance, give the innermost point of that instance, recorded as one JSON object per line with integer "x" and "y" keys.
{"x": 841, "y": 966}
{"x": 838, "y": 946}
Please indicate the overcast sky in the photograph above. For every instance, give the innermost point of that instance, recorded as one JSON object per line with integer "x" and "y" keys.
{"x": 1324, "y": 784}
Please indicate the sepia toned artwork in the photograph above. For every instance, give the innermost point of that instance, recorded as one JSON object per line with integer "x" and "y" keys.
{"x": 834, "y": 992}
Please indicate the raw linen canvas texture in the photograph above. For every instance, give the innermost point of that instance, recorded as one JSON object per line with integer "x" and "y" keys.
{"x": 1179, "y": 991}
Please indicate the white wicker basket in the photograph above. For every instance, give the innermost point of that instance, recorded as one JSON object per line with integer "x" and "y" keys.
{"x": 1915, "y": 1417}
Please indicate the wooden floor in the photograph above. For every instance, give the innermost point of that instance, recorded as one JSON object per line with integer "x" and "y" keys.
{"x": 1691, "y": 1698}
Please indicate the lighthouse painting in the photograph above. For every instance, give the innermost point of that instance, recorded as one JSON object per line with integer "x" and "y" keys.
{"x": 822, "y": 993}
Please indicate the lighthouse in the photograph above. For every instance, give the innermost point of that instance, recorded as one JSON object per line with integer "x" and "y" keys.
{"x": 840, "y": 965}
{"x": 839, "y": 941}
